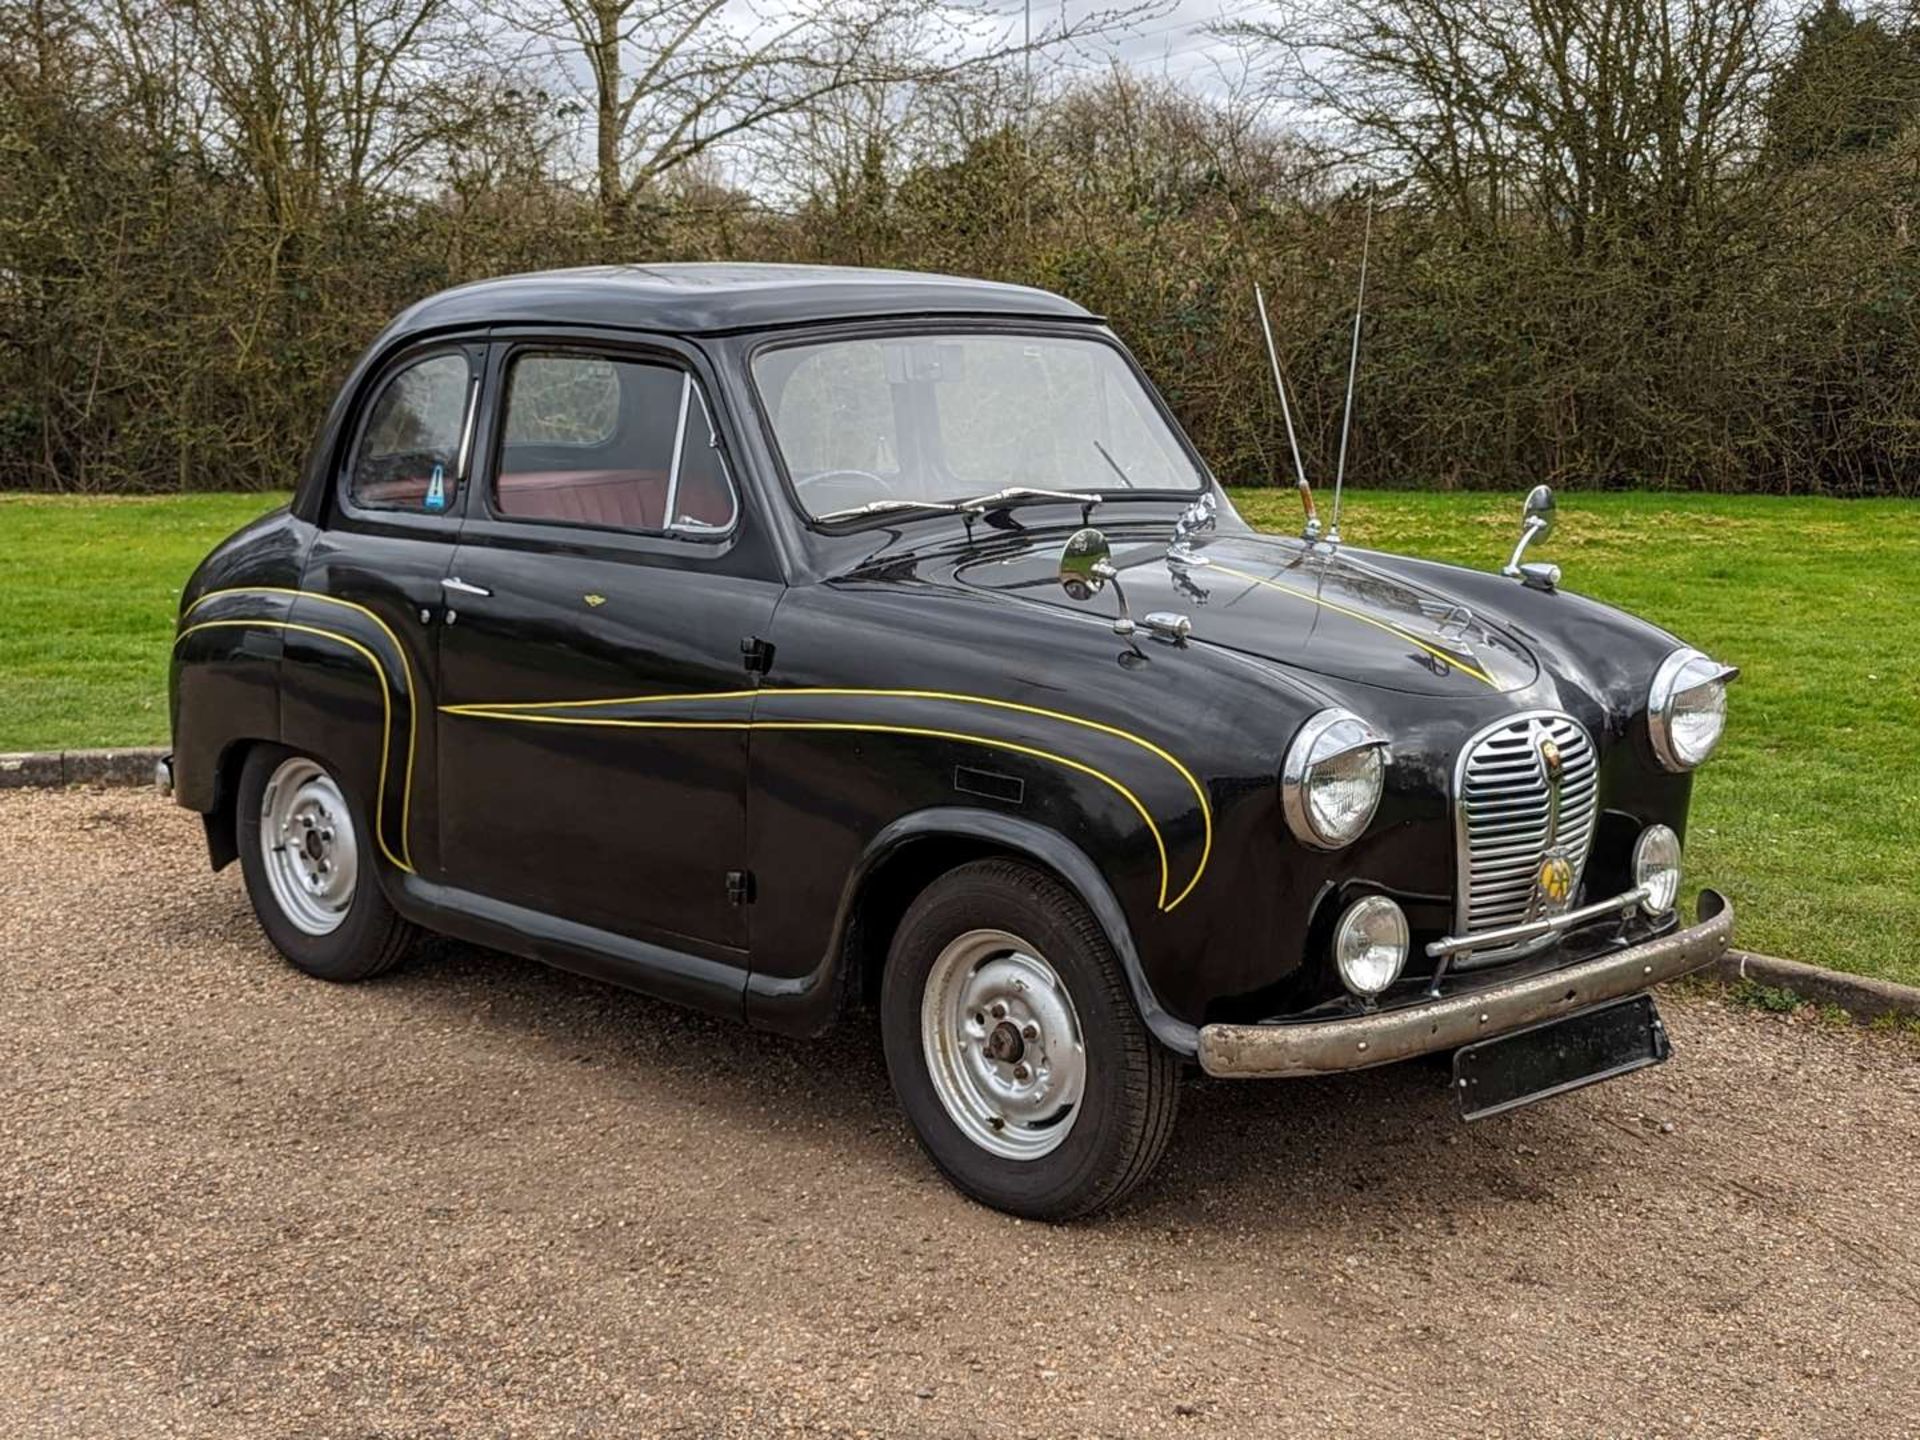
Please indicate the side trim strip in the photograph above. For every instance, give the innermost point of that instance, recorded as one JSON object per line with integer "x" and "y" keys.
{"x": 386, "y": 705}
{"x": 406, "y": 671}
{"x": 1365, "y": 619}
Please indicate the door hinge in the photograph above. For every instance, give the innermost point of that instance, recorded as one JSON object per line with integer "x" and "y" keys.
{"x": 756, "y": 654}
{"x": 739, "y": 887}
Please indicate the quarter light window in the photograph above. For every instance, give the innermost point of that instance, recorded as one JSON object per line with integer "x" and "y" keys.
{"x": 409, "y": 456}
{"x": 613, "y": 444}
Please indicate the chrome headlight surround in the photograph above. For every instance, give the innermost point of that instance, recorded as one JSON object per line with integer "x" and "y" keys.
{"x": 1335, "y": 746}
{"x": 1690, "y": 685}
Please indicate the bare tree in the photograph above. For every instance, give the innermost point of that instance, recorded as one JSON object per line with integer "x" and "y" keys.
{"x": 333, "y": 96}
{"x": 668, "y": 81}
{"x": 1590, "y": 117}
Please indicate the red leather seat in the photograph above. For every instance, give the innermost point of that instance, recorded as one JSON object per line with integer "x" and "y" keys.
{"x": 608, "y": 499}
{"x": 613, "y": 499}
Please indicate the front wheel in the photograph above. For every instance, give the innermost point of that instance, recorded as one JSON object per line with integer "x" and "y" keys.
{"x": 1016, "y": 1049}
{"x": 308, "y": 862}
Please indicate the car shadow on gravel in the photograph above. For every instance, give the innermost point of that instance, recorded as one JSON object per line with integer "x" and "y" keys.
{"x": 1383, "y": 1141}
{"x": 1386, "y": 1141}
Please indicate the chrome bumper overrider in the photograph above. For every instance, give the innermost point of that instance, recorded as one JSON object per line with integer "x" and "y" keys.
{"x": 1322, "y": 1047}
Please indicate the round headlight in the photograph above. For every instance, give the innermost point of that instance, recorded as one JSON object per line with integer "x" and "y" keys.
{"x": 1331, "y": 782}
{"x": 1656, "y": 868}
{"x": 1687, "y": 708}
{"x": 1370, "y": 945}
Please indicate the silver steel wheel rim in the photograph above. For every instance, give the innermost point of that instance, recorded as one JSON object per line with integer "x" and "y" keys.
{"x": 1003, "y": 1045}
{"x": 308, "y": 847}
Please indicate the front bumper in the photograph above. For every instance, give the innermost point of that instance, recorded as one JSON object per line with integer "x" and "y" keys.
{"x": 1357, "y": 1042}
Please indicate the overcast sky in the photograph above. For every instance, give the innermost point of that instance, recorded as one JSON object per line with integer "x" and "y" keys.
{"x": 1175, "y": 44}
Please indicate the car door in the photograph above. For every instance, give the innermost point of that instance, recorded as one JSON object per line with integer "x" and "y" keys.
{"x": 365, "y": 617}
{"x": 594, "y": 683}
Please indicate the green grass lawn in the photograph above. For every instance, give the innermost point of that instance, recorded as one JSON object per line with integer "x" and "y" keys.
{"x": 1809, "y": 816}
{"x": 88, "y": 592}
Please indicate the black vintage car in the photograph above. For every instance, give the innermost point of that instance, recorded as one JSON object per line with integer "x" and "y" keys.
{"x": 782, "y": 640}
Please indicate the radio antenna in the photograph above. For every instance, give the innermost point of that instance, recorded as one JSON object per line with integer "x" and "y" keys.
{"x": 1312, "y": 531}
{"x": 1353, "y": 367}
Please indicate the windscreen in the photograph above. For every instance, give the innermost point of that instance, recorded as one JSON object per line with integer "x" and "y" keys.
{"x": 947, "y": 417}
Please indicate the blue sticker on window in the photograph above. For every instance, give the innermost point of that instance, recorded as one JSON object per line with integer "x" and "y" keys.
{"x": 437, "y": 489}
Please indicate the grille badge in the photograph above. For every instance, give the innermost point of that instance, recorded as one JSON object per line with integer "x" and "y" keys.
{"x": 1554, "y": 883}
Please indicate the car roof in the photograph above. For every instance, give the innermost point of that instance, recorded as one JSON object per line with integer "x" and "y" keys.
{"x": 714, "y": 298}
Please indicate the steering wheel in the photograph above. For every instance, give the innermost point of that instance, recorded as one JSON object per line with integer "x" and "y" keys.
{"x": 841, "y": 477}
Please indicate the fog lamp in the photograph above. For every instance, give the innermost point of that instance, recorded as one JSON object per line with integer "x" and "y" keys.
{"x": 1370, "y": 945}
{"x": 1656, "y": 868}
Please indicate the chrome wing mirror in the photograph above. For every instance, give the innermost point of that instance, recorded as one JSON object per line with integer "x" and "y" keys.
{"x": 1086, "y": 568}
{"x": 1536, "y": 523}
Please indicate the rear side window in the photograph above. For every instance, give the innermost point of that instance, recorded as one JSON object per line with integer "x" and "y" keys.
{"x": 611, "y": 444}
{"x": 563, "y": 400}
{"x": 409, "y": 452}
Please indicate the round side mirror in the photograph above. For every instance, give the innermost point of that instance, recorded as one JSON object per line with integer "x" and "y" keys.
{"x": 1084, "y": 564}
{"x": 1539, "y": 512}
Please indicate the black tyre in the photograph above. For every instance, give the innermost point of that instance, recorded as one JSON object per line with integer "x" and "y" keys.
{"x": 1016, "y": 1049}
{"x": 307, "y": 852}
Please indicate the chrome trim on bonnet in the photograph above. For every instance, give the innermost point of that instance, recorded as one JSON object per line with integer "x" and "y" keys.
{"x": 1358, "y": 1042}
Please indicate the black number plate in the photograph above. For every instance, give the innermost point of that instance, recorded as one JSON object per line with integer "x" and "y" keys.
{"x": 1557, "y": 1056}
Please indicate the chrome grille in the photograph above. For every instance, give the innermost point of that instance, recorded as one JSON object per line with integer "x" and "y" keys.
{"x": 1509, "y": 823}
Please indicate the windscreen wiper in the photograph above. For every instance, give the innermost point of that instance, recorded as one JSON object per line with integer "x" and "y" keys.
{"x": 881, "y": 507}
{"x": 974, "y": 505}
{"x": 1015, "y": 494}
{"x": 1107, "y": 455}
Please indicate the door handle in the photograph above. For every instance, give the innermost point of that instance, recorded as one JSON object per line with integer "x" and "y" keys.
{"x": 454, "y": 582}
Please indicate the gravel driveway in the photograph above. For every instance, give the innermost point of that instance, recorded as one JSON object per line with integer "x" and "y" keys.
{"x": 479, "y": 1197}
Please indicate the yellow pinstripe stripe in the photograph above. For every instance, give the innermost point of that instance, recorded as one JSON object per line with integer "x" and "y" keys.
{"x": 873, "y": 728}
{"x": 514, "y": 710}
{"x": 802, "y": 691}
{"x": 386, "y": 705}
{"x": 406, "y": 670}
{"x": 1362, "y": 617}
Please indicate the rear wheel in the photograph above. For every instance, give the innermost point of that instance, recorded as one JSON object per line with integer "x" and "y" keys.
{"x": 1016, "y": 1049}
{"x": 307, "y": 858}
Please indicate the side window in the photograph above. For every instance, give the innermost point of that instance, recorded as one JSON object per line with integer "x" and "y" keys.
{"x": 614, "y": 444}
{"x": 563, "y": 400}
{"x": 409, "y": 452}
